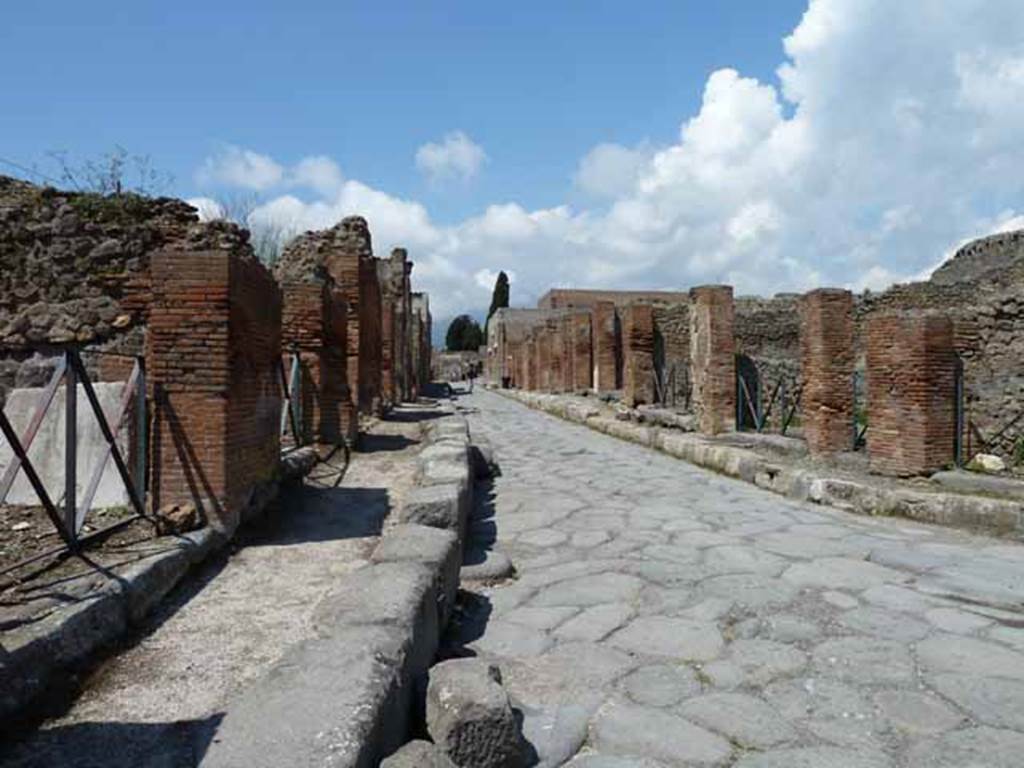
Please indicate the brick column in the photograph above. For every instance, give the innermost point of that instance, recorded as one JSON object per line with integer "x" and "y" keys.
{"x": 543, "y": 359}
{"x": 638, "y": 354}
{"x": 314, "y": 328}
{"x": 556, "y": 335}
{"x": 568, "y": 358}
{"x": 531, "y": 362}
{"x": 605, "y": 347}
{"x": 911, "y": 380}
{"x": 583, "y": 366}
{"x": 213, "y": 344}
{"x": 713, "y": 357}
{"x": 826, "y": 366}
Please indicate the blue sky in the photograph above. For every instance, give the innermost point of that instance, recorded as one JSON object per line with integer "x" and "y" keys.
{"x": 776, "y": 146}
{"x": 535, "y": 83}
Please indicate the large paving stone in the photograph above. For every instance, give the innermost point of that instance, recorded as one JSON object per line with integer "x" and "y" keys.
{"x": 503, "y": 638}
{"x": 568, "y": 673}
{"x": 737, "y": 559}
{"x": 969, "y": 656}
{"x": 540, "y": 618}
{"x": 817, "y": 698}
{"x": 628, "y": 729}
{"x": 742, "y": 719}
{"x": 816, "y": 757}
{"x": 972, "y": 748}
{"x": 919, "y": 713}
{"x": 885, "y": 624}
{"x": 661, "y": 685}
{"x": 470, "y": 716}
{"x": 666, "y": 636}
{"x": 864, "y": 661}
{"x": 842, "y": 573}
{"x": 554, "y": 734}
{"x": 595, "y": 623}
{"x": 594, "y": 760}
{"x": 990, "y": 700}
{"x": 591, "y": 590}
{"x": 755, "y": 662}
{"x": 752, "y": 590}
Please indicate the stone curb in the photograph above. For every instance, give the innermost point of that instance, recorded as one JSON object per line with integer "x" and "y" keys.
{"x": 345, "y": 697}
{"x": 974, "y": 513}
{"x": 36, "y": 656}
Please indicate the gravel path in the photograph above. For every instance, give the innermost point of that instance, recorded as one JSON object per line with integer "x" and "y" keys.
{"x": 666, "y": 616}
{"x": 158, "y": 702}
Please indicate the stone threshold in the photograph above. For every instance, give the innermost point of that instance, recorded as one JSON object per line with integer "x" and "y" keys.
{"x": 977, "y": 513}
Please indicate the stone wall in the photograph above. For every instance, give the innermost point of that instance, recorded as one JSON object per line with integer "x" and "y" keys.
{"x": 582, "y": 352}
{"x": 672, "y": 352}
{"x": 570, "y": 298}
{"x": 75, "y": 268}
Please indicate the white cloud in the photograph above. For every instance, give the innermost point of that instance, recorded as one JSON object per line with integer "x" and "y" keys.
{"x": 894, "y": 134}
{"x": 242, "y": 168}
{"x": 608, "y": 169}
{"x": 318, "y": 172}
{"x": 455, "y": 157}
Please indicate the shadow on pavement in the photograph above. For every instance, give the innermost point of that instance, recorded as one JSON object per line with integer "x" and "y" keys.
{"x": 115, "y": 745}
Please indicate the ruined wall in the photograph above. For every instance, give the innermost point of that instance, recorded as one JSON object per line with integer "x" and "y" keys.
{"x": 421, "y": 336}
{"x": 75, "y": 268}
{"x": 606, "y": 336}
{"x": 637, "y": 354}
{"x": 768, "y": 338}
{"x": 345, "y": 252}
{"x": 987, "y": 311}
{"x": 582, "y": 352}
{"x": 672, "y": 352}
{"x": 570, "y": 298}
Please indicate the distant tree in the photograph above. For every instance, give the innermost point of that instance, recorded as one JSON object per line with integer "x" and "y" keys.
{"x": 464, "y": 334}
{"x": 499, "y": 299}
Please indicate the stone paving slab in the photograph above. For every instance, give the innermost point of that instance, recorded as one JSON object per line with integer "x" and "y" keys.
{"x": 692, "y": 619}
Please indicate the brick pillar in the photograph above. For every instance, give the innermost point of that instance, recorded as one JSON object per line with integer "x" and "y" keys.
{"x": 531, "y": 362}
{"x": 911, "y": 380}
{"x": 583, "y": 366}
{"x": 543, "y": 359}
{"x": 313, "y": 325}
{"x": 826, "y": 366}
{"x": 638, "y": 354}
{"x": 713, "y": 357}
{"x": 568, "y": 359}
{"x": 556, "y": 344}
{"x": 213, "y": 344}
{"x": 388, "y": 351}
{"x": 605, "y": 347}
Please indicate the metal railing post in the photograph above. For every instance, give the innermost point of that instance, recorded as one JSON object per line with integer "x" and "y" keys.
{"x": 70, "y": 447}
{"x": 141, "y": 432}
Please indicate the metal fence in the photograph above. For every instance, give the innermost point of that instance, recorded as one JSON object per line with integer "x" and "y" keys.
{"x": 69, "y": 514}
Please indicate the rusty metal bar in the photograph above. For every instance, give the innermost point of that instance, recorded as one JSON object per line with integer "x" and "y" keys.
{"x": 127, "y": 393}
{"x": 70, "y": 447}
{"x": 76, "y": 363}
{"x": 33, "y": 478}
{"x": 33, "y": 427}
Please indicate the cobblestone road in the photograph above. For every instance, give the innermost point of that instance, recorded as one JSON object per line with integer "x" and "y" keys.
{"x": 664, "y": 615}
